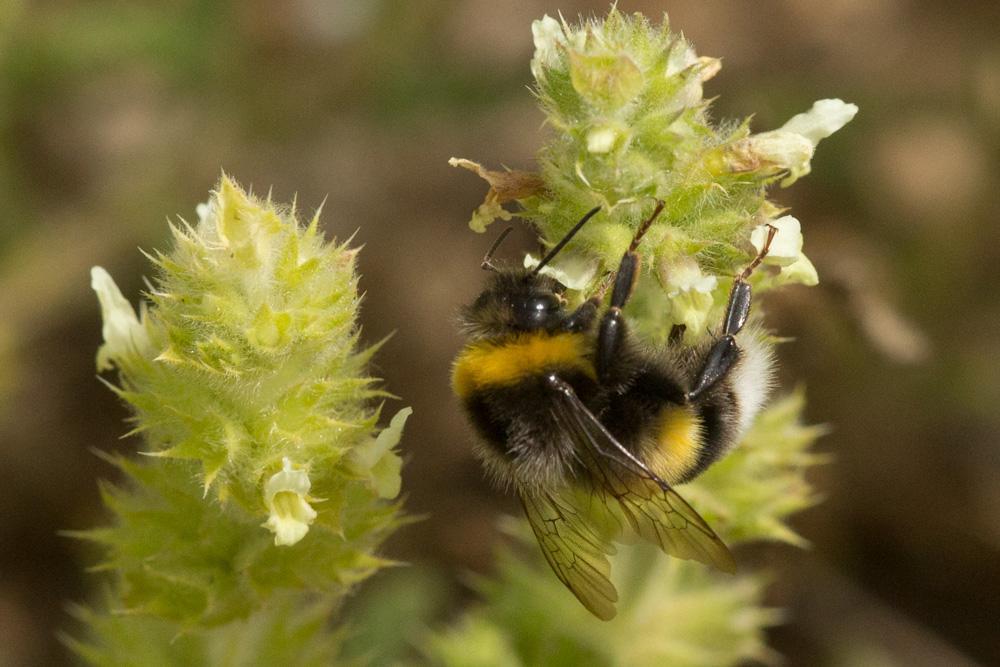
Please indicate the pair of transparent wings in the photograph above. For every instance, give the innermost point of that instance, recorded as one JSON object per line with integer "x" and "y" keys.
{"x": 620, "y": 482}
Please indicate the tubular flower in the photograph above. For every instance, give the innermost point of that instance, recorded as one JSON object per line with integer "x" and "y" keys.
{"x": 286, "y": 496}
{"x": 124, "y": 334}
{"x": 690, "y": 293}
{"x": 786, "y": 251}
{"x": 790, "y": 148}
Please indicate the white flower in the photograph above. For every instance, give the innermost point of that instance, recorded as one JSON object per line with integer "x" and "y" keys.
{"x": 684, "y": 275}
{"x": 778, "y": 150}
{"x": 551, "y": 37}
{"x": 548, "y": 36}
{"x": 823, "y": 119}
{"x": 203, "y": 210}
{"x": 786, "y": 246}
{"x": 574, "y": 271}
{"x": 683, "y": 58}
{"x": 377, "y": 459}
{"x": 285, "y": 495}
{"x": 601, "y": 139}
{"x": 786, "y": 251}
{"x": 123, "y": 333}
{"x": 689, "y": 291}
{"x": 791, "y": 147}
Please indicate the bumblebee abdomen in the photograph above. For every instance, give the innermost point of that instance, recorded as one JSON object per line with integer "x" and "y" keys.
{"x": 492, "y": 364}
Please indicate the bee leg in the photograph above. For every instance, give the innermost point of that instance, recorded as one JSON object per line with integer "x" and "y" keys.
{"x": 725, "y": 352}
{"x": 611, "y": 335}
{"x": 581, "y": 318}
{"x": 676, "y": 334}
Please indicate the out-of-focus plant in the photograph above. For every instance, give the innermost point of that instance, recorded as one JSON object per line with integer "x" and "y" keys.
{"x": 265, "y": 485}
{"x": 630, "y": 127}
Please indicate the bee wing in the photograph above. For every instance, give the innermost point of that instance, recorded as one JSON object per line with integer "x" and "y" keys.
{"x": 578, "y": 556}
{"x": 648, "y": 504}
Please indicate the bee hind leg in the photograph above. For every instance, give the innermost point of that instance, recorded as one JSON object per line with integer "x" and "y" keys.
{"x": 724, "y": 353}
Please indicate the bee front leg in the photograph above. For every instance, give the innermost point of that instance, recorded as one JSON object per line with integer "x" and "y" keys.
{"x": 580, "y": 319}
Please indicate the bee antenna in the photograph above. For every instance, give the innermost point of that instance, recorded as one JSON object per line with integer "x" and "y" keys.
{"x": 487, "y": 264}
{"x": 562, "y": 243}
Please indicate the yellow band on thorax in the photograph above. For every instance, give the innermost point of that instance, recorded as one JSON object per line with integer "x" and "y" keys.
{"x": 498, "y": 363}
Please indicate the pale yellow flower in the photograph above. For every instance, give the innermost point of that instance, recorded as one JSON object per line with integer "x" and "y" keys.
{"x": 572, "y": 270}
{"x": 689, "y": 291}
{"x": 287, "y": 500}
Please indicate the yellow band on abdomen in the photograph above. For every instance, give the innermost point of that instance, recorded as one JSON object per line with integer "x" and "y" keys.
{"x": 493, "y": 363}
{"x": 678, "y": 443}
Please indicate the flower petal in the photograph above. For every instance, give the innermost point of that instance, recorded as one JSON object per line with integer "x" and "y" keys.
{"x": 823, "y": 119}
{"x": 573, "y": 271}
{"x": 801, "y": 272}
{"x": 123, "y": 332}
{"x": 786, "y": 246}
{"x": 683, "y": 275}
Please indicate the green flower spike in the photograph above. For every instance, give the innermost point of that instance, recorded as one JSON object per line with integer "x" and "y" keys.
{"x": 266, "y": 480}
{"x": 629, "y": 126}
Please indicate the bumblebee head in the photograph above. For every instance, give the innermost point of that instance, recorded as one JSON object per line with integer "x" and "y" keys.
{"x": 515, "y": 300}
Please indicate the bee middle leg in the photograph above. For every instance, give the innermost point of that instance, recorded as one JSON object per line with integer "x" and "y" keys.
{"x": 612, "y": 334}
{"x": 724, "y": 353}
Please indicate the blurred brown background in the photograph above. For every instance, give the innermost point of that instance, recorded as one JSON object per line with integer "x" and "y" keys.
{"x": 117, "y": 115}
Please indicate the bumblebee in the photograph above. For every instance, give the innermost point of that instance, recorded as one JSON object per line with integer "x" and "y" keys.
{"x": 591, "y": 428}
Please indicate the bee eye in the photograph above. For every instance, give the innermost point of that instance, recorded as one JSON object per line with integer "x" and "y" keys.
{"x": 546, "y": 303}
{"x": 536, "y": 311}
